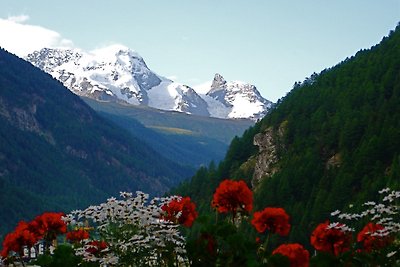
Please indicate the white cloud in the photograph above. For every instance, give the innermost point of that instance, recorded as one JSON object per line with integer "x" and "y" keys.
{"x": 19, "y": 18}
{"x": 22, "y": 39}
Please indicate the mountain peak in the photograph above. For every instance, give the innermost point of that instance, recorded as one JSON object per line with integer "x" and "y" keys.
{"x": 218, "y": 81}
{"x": 116, "y": 73}
{"x": 235, "y": 99}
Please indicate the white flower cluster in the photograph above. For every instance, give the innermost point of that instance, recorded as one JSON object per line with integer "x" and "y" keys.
{"x": 385, "y": 213}
{"x": 340, "y": 226}
{"x": 133, "y": 230}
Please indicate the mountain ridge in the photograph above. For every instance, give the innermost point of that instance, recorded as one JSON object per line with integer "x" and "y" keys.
{"x": 117, "y": 73}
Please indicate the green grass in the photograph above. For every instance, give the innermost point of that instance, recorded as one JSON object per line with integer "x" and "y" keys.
{"x": 172, "y": 130}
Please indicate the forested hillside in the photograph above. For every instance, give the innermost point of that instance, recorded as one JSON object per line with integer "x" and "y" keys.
{"x": 335, "y": 137}
{"x": 57, "y": 154}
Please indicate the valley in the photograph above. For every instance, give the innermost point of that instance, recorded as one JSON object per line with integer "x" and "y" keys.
{"x": 187, "y": 139}
{"x": 104, "y": 162}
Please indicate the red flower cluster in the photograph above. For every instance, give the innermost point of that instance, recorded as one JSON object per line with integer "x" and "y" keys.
{"x": 77, "y": 236}
{"x": 297, "y": 254}
{"x": 49, "y": 225}
{"x": 233, "y": 196}
{"x": 15, "y": 241}
{"x": 330, "y": 240}
{"x": 44, "y": 226}
{"x": 96, "y": 246}
{"x": 182, "y": 211}
{"x": 370, "y": 241}
{"x": 275, "y": 220}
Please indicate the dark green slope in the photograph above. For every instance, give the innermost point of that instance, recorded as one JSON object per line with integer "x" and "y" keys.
{"x": 350, "y": 112}
{"x": 56, "y": 153}
{"x": 340, "y": 141}
{"x": 188, "y": 139}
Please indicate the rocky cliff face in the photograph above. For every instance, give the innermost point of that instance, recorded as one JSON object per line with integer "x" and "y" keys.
{"x": 267, "y": 159}
{"x": 24, "y": 118}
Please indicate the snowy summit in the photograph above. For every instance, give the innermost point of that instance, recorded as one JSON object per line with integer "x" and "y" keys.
{"x": 117, "y": 73}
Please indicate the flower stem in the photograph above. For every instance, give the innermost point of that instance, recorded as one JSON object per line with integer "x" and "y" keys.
{"x": 267, "y": 241}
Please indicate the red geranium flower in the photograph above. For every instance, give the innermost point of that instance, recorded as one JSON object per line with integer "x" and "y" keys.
{"x": 330, "y": 240}
{"x": 297, "y": 254}
{"x": 49, "y": 225}
{"x": 10, "y": 244}
{"x": 233, "y": 196}
{"x": 181, "y": 210}
{"x": 369, "y": 240}
{"x": 24, "y": 234}
{"x": 95, "y": 246}
{"x": 15, "y": 241}
{"x": 275, "y": 220}
{"x": 77, "y": 235}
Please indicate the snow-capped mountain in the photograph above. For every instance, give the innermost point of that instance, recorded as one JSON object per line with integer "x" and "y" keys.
{"x": 116, "y": 73}
{"x": 235, "y": 100}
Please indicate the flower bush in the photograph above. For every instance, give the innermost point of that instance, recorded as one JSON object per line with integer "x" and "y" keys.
{"x": 48, "y": 225}
{"x": 180, "y": 210}
{"x": 332, "y": 239}
{"x": 136, "y": 231}
{"x": 371, "y": 239}
{"x": 76, "y": 236}
{"x": 296, "y": 253}
{"x": 233, "y": 196}
{"x": 275, "y": 220}
{"x": 15, "y": 241}
{"x": 44, "y": 227}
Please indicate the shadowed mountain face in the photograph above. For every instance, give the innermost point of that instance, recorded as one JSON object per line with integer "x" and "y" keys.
{"x": 56, "y": 153}
{"x": 187, "y": 139}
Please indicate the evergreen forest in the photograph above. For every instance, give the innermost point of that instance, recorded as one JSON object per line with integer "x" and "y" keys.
{"x": 337, "y": 139}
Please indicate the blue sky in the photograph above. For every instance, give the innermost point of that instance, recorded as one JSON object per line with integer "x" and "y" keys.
{"x": 270, "y": 44}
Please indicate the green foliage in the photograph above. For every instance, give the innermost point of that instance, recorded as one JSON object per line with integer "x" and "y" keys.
{"x": 278, "y": 260}
{"x": 341, "y": 142}
{"x": 64, "y": 256}
{"x": 218, "y": 242}
{"x": 347, "y": 111}
{"x": 324, "y": 259}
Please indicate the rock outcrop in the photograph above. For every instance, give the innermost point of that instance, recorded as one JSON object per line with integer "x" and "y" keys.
{"x": 267, "y": 159}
